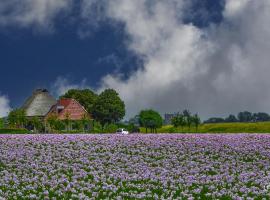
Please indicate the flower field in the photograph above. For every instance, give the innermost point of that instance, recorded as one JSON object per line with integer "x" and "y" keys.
{"x": 135, "y": 166}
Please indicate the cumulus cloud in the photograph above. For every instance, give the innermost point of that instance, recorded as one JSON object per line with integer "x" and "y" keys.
{"x": 39, "y": 13}
{"x": 214, "y": 71}
{"x": 4, "y": 106}
{"x": 63, "y": 84}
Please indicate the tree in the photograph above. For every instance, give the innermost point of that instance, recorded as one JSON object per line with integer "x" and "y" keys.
{"x": 214, "y": 120}
{"x": 86, "y": 98}
{"x": 67, "y": 121}
{"x": 231, "y": 118}
{"x": 37, "y": 124}
{"x": 17, "y": 118}
{"x": 54, "y": 123}
{"x": 109, "y": 108}
{"x": 261, "y": 117}
{"x": 245, "y": 116}
{"x": 196, "y": 121}
{"x": 85, "y": 121}
{"x": 178, "y": 120}
{"x": 1, "y": 122}
{"x": 188, "y": 118}
{"x": 150, "y": 119}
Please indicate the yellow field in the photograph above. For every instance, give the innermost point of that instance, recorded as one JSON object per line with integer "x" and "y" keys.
{"x": 260, "y": 127}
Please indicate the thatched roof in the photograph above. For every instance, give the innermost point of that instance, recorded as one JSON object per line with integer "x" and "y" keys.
{"x": 39, "y": 103}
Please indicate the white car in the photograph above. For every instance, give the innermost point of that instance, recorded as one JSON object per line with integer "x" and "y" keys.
{"x": 122, "y": 131}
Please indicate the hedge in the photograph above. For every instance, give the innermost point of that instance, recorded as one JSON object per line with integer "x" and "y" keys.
{"x": 13, "y": 131}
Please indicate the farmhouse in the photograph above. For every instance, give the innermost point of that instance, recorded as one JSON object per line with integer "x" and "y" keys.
{"x": 42, "y": 105}
{"x": 69, "y": 109}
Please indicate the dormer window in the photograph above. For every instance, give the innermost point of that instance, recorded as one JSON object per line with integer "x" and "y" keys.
{"x": 59, "y": 108}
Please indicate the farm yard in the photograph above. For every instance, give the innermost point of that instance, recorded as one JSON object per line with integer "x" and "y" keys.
{"x": 163, "y": 166}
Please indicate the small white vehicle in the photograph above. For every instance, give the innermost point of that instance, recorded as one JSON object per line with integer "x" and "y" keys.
{"x": 122, "y": 131}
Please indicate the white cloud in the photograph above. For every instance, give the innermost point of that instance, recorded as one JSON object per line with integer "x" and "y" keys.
{"x": 234, "y": 7}
{"x": 25, "y": 13}
{"x": 62, "y": 85}
{"x": 217, "y": 70}
{"x": 4, "y": 106}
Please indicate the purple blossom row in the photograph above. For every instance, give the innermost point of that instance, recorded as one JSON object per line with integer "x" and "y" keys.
{"x": 135, "y": 166}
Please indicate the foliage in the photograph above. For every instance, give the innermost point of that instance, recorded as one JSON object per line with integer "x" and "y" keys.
{"x": 250, "y": 127}
{"x": 13, "y": 131}
{"x": 185, "y": 118}
{"x": 86, "y": 98}
{"x": 110, "y": 128}
{"x": 85, "y": 121}
{"x": 54, "y": 123}
{"x": 36, "y": 124}
{"x": 196, "y": 121}
{"x": 109, "y": 108}
{"x": 261, "y": 117}
{"x": 150, "y": 119}
{"x": 214, "y": 120}
{"x": 17, "y": 118}
{"x": 178, "y": 120}
{"x": 1, "y": 122}
{"x": 67, "y": 121}
{"x": 231, "y": 118}
{"x": 245, "y": 116}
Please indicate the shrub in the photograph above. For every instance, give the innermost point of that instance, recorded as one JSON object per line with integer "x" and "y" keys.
{"x": 110, "y": 128}
{"x": 13, "y": 131}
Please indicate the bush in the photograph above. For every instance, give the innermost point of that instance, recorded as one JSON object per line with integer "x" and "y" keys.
{"x": 110, "y": 128}
{"x": 1, "y": 123}
{"x": 13, "y": 131}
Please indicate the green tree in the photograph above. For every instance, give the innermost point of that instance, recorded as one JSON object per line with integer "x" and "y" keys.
{"x": 245, "y": 116}
{"x": 54, "y": 123}
{"x": 85, "y": 121}
{"x": 109, "y": 108}
{"x": 178, "y": 120}
{"x": 17, "y": 118}
{"x": 86, "y": 98}
{"x": 188, "y": 118}
{"x": 67, "y": 121}
{"x": 150, "y": 119}
{"x": 1, "y": 122}
{"x": 196, "y": 121}
{"x": 231, "y": 118}
{"x": 37, "y": 124}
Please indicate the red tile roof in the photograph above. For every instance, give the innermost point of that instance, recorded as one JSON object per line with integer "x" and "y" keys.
{"x": 71, "y": 108}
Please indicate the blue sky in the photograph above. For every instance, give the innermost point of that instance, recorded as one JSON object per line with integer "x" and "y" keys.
{"x": 130, "y": 46}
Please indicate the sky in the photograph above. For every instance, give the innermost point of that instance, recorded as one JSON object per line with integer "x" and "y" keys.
{"x": 209, "y": 56}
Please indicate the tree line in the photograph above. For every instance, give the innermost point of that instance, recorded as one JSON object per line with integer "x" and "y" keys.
{"x": 244, "y": 116}
{"x": 185, "y": 118}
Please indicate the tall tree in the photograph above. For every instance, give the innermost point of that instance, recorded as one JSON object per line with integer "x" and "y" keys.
{"x": 36, "y": 124}
{"x": 17, "y": 118}
{"x": 85, "y": 121}
{"x": 67, "y": 121}
{"x": 188, "y": 118}
{"x": 150, "y": 119}
{"x": 86, "y": 98}
{"x": 231, "y": 118}
{"x": 196, "y": 121}
{"x": 178, "y": 120}
{"x": 245, "y": 116}
{"x": 54, "y": 123}
{"x": 261, "y": 117}
{"x": 109, "y": 108}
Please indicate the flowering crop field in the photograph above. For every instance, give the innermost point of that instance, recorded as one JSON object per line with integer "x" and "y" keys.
{"x": 135, "y": 166}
